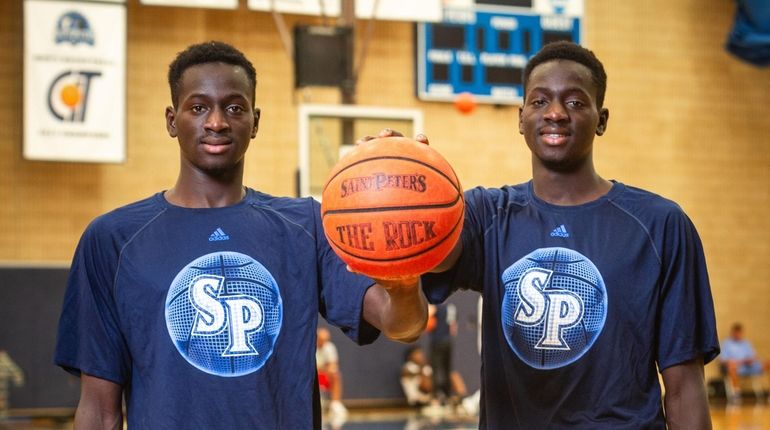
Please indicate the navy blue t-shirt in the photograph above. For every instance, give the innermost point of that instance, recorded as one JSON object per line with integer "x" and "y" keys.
{"x": 207, "y": 317}
{"x": 582, "y": 305}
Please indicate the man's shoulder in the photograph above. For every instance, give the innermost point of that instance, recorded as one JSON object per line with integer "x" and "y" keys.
{"x": 500, "y": 197}
{"x": 732, "y": 349}
{"x": 282, "y": 204}
{"x": 736, "y": 343}
{"x": 516, "y": 190}
{"x": 648, "y": 207}
{"x": 302, "y": 212}
{"x": 128, "y": 217}
{"x": 635, "y": 197}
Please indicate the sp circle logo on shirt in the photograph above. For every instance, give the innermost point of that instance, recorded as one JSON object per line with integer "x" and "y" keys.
{"x": 554, "y": 307}
{"x": 224, "y": 313}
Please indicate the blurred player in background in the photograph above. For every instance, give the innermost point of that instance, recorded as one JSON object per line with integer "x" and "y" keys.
{"x": 448, "y": 385}
{"x": 10, "y": 373}
{"x": 417, "y": 378}
{"x": 328, "y": 363}
{"x": 739, "y": 360}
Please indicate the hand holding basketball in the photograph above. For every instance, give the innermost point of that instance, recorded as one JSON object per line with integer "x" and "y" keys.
{"x": 392, "y": 208}
{"x": 387, "y": 132}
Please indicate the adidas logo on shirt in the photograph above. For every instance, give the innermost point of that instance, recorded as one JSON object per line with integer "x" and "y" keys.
{"x": 560, "y": 231}
{"x": 218, "y": 235}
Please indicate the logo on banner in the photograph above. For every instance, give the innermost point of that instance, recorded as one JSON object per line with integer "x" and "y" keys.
{"x": 559, "y": 6}
{"x": 73, "y": 27}
{"x": 554, "y": 307}
{"x": 68, "y": 95}
{"x": 224, "y": 313}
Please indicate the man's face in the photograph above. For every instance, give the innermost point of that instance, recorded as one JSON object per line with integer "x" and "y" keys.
{"x": 214, "y": 120}
{"x": 560, "y": 118}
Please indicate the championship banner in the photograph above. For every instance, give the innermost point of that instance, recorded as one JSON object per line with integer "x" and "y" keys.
{"x": 74, "y": 81}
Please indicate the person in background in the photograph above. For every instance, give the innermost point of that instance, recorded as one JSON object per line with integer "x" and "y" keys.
{"x": 10, "y": 372}
{"x": 738, "y": 360}
{"x": 448, "y": 385}
{"x": 416, "y": 378}
{"x": 328, "y": 365}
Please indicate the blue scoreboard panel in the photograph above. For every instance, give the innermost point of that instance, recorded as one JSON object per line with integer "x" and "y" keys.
{"x": 483, "y": 51}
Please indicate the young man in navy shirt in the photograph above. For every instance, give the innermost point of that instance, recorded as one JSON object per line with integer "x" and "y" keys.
{"x": 590, "y": 287}
{"x": 199, "y": 304}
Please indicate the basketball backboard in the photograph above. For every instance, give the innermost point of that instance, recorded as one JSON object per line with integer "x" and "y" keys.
{"x": 327, "y": 131}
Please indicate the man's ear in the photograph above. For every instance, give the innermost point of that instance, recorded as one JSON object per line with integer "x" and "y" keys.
{"x": 520, "y": 129}
{"x": 604, "y": 116}
{"x": 171, "y": 121}
{"x": 257, "y": 114}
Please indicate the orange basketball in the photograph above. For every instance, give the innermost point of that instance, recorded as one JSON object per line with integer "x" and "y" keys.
{"x": 392, "y": 208}
{"x": 465, "y": 102}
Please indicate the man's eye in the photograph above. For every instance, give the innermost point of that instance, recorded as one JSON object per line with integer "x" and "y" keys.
{"x": 197, "y": 108}
{"x": 538, "y": 103}
{"x": 236, "y": 109}
{"x": 575, "y": 103}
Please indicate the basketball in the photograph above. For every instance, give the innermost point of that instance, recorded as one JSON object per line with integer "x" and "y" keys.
{"x": 465, "y": 102}
{"x": 392, "y": 208}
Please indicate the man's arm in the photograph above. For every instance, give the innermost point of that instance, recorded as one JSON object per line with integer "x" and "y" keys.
{"x": 100, "y": 405}
{"x": 397, "y": 308}
{"x": 686, "y": 403}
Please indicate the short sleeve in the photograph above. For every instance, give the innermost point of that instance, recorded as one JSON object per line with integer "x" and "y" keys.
{"x": 89, "y": 337}
{"x": 468, "y": 271}
{"x": 687, "y": 328}
{"x": 342, "y": 292}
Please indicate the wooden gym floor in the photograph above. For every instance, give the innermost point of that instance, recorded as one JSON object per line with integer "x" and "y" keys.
{"x": 748, "y": 416}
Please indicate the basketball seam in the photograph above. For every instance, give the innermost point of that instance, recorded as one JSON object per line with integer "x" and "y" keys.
{"x": 391, "y": 208}
{"x": 393, "y": 157}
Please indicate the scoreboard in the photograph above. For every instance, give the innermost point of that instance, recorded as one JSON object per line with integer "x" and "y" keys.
{"x": 483, "y": 49}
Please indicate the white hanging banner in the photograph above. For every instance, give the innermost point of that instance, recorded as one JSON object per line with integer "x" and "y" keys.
{"x": 387, "y": 10}
{"x": 214, "y": 4}
{"x": 401, "y": 10}
{"x": 74, "y": 81}
{"x": 299, "y": 7}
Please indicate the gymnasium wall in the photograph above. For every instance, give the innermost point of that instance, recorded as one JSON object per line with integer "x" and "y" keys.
{"x": 687, "y": 121}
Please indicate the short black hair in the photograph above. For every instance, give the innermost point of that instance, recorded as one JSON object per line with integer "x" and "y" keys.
{"x": 564, "y": 50}
{"x": 208, "y": 52}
